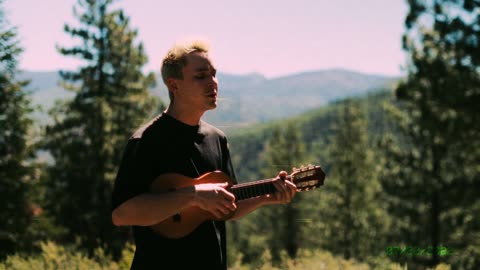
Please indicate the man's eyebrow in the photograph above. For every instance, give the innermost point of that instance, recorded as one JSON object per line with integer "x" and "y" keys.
{"x": 205, "y": 69}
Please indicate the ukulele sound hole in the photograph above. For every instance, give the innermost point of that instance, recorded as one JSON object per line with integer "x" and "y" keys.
{"x": 177, "y": 218}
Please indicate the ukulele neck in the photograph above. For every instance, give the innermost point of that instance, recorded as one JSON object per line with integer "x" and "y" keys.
{"x": 253, "y": 189}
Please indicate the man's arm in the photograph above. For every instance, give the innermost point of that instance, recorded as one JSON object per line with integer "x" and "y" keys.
{"x": 285, "y": 191}
{"x": 138, "y": 211}
{"x": 151, "y": 208}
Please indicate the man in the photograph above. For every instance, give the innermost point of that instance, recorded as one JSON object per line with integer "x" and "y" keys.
{"x": 179, "y": 141}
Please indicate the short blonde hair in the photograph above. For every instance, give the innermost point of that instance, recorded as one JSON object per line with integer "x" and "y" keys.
{"x": 175, "y": 59}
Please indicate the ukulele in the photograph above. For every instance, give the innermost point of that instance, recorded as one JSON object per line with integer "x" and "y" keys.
{"x": 185, "y": 222}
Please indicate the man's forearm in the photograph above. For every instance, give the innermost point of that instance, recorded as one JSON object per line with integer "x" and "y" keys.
{"x": 148, "y": 209}
{"x": 247, "y": 206}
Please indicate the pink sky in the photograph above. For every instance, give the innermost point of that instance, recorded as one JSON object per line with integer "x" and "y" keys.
{"x": 271, "y": 37}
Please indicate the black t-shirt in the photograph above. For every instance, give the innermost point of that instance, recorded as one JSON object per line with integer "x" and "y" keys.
{"x": 166, "y": 145}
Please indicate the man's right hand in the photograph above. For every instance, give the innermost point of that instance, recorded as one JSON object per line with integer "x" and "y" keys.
{"x": 215, "y": 199}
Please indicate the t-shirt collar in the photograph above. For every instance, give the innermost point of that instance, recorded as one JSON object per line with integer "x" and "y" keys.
{"x": 182, "y": 126}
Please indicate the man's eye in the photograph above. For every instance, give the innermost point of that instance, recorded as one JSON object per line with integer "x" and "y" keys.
{"x": 200, "y": 77}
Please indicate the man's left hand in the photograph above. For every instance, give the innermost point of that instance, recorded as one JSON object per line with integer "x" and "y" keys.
{"x": 285, "y": 189}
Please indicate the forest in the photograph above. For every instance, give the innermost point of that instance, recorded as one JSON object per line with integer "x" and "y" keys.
{"x": 401, "y": 160}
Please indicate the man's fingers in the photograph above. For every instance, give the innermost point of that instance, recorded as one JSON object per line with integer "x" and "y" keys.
{"x": 224, "y": 185}
{"x": 223, "y": 209}
{"x": 230, "y": 206}
{"x": 222, "y": 188}
{"x": 292, "y": 188}
{"x": 218, "y": 213}
{"x": 281, "y": 190}
{"x": 229, "y": 196}
{"x": 285, "y": 189}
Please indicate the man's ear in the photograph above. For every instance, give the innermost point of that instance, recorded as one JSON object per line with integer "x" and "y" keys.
{"x": 172, "y": 85}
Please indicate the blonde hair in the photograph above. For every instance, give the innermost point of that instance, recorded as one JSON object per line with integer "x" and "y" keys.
{"x": 175, "y": 59}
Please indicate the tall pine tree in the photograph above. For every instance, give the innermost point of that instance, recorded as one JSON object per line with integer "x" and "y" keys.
{"x": 350, "y": 214}
{"x": 436, "y": 165}
{"x": 283, "y": 151}
{"x": 89, "y": 132}
{"x": 15, "y": 172}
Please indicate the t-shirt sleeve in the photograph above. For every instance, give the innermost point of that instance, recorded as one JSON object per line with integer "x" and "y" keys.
{"x": 227, "y": 161}
{"x": 133, "y": 175}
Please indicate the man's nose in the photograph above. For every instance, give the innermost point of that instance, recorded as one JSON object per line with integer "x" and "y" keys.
{"x": 213, "y": 82}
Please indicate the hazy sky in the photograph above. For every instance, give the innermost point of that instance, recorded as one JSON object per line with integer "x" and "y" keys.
{"x": 271, "y": 37}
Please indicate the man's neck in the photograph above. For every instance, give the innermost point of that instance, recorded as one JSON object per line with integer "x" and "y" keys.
{"x": 185, "y": 116}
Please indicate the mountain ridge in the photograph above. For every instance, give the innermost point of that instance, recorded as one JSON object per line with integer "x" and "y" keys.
{"x": 246, "y": 98}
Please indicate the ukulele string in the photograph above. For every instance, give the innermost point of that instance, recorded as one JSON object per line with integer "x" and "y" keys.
{"x": 194, "y": 167}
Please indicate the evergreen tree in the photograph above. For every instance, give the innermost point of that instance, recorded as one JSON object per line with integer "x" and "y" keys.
{"x": 435, "y": 167}
{"x": 16, "y": 174}
{"x": 284, "y": 150}
{"x": 350, "y": 213}
{"x": 89, "y": 132}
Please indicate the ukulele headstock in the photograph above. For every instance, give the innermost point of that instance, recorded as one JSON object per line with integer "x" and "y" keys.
{"x": 309, "y": 177}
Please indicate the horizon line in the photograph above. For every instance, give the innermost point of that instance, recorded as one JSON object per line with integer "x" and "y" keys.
{"x": 259, "y": 73}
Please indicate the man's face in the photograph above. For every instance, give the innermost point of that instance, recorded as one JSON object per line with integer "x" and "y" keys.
{"x": 198, "y": 89}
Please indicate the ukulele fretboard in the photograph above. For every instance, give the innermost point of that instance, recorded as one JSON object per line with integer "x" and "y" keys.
{"x": 253, "y": 189}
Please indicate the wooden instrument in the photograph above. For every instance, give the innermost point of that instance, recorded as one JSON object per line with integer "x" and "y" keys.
{"x": 185, "y": 222}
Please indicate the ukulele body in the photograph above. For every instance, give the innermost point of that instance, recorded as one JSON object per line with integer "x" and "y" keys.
{"x": 185, "y": 222}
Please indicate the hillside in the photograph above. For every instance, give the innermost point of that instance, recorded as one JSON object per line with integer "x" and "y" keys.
{"x": 245, "y": 99}
{"x": 247, "y": 144}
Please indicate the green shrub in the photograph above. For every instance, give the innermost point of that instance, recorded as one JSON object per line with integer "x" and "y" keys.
{"x": 319, "y": 260}
{"x": 56, "y": 257}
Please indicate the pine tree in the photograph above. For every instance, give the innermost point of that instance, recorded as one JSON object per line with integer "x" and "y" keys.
{"x": 435, "y": 166}
{"x": 16, "y": 174}
{"x": 351, "y": 215}
{"x": 284, "y": 151}
{"x": 89, "y": 133}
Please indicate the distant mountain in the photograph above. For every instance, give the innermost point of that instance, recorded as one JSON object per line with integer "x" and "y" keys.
{"x": 330, "y": 84}
{"x": 253, "y": 98}
{"x": 314, "y": 127}
{"x": 40, "y": 80}
{"x": 250, "y": 98}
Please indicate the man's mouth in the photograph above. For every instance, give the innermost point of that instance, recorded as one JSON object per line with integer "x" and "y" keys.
{"x": 212, "y": 95}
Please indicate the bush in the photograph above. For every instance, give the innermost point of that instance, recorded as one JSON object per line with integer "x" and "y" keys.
{"x": 319, "y": 260}
{"x": 56, "y": 257}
